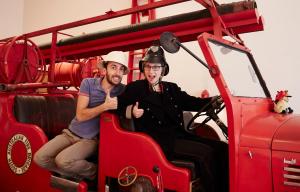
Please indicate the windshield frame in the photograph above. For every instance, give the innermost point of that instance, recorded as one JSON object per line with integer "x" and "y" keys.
{"x": 204, "y": 41}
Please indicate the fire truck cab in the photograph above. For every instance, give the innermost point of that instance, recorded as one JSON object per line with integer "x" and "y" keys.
{"x": 263, "y": 145}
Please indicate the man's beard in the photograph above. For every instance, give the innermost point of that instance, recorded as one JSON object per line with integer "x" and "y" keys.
{"x": 110, "y": 81}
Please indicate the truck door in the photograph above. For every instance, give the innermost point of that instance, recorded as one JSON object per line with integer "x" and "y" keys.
{"x": 247, "y": 100}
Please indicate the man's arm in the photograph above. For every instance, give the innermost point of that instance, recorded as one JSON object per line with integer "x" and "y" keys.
{"x": 84, "y": 113}
{"x": 188, "y": 102}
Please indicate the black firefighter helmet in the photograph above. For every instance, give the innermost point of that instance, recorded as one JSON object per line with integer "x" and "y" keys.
{"x": 155, "y": 54}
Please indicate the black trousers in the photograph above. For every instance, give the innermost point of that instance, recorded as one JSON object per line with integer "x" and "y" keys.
{"x": 210, "y": 158}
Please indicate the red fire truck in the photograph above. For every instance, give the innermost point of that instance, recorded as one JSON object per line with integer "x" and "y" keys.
{"x": 39, "y": 85}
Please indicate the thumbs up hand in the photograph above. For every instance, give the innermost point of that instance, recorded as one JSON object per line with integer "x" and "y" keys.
{"x": 110, "y": 102}
{"x": 137, "y": 113}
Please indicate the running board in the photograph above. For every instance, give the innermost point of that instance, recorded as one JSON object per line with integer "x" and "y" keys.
{"x": 67, "y": 185}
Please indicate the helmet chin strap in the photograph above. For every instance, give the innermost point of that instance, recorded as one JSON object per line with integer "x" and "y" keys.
{"x": 155, "y": 84}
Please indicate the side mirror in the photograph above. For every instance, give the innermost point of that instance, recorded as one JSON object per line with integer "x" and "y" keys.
{"x": 169, "y": 42}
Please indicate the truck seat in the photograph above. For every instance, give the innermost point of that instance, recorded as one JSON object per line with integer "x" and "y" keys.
{"x": 186, "y": 164}
{"x": 51, "y": 113}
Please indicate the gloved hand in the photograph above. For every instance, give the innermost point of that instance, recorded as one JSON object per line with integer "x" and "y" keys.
{"x": 217, "y": 101}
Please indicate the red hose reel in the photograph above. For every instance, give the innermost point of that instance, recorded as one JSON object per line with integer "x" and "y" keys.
{"x": 76, "y": 71}
{"x": 21, "y": 61}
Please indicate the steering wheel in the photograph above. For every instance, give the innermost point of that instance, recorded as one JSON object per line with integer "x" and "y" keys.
{"x": 216, "y": 106}
{"x": 127, "y": 176}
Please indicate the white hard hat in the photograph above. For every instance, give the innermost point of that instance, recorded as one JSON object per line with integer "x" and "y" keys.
{"x": 118, "y": 57}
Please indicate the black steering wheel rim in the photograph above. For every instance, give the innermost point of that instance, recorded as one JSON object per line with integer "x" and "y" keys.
{"x": 208, "y": 112}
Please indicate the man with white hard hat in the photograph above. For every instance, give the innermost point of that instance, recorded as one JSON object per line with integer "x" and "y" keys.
{"x": 66, "y": 153}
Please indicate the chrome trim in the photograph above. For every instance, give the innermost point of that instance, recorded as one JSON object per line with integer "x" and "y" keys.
{"x": 292, "y": 184}
{"x": 290, "y": 162}
{"x": 250, "y": 154}
{"x": 295, "y": 177}
{"x": 290, "y": 169}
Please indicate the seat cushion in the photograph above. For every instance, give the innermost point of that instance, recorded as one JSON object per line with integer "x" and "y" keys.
{"x": 50, "y": 113}
{"x": 186, "y": 164}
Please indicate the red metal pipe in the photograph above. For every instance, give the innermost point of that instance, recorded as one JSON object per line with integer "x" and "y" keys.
{"x": 21, "y": 86}
{"x": 240, "y": 22}
{"x": 52, "y": 57}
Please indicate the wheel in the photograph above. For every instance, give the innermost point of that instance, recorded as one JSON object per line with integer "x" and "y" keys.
{"x": 142, "y": 184}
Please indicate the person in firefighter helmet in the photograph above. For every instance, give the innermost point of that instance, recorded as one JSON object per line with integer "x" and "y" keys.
{"x": 155, "y": 54}
{"x": 154, "y": 66}
{"x": 157, "y": 106}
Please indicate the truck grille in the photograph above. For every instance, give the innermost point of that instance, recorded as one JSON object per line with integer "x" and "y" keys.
{"x": 291, "y": 175}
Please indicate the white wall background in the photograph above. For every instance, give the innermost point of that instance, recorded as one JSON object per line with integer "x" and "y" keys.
{"x": 44, "y": 14}
{"x": 275, "y": 49}
{"x": 11, "y": 18}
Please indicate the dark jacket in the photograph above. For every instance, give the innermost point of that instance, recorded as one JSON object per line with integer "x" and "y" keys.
{"x": 162, "y": 118}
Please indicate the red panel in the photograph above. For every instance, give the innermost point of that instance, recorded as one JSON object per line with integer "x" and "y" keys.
{"x": 12, "y": 153}
{"x": 119, "y": 148}
{"x": 287, "y": 138}
{"x": 258, "y": 130}
{"x": 254, "y": 172}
